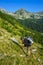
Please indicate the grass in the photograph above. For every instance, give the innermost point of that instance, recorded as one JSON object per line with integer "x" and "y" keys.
{"x": 10, "y": 53}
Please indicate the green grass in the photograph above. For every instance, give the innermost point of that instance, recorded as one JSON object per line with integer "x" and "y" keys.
{"x": 10, "y": 52}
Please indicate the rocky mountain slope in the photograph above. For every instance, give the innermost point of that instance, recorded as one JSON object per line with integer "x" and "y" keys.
{"x": 32, "y": 20}
{"x": 12, "y": 54}
{"x": 23, "y": 14}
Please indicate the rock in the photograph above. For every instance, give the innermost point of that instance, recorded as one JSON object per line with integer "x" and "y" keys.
{"x": 13, "y": 39}
{"x": 22, "y": 55}
{"x": 39, "y": 60}
{"x": 34, "y": 50}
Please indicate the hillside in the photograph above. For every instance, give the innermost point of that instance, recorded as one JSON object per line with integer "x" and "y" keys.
{"x": 34, "y": 24}
{"x": 32, "y": 20}
{"x": 10, "y": 53}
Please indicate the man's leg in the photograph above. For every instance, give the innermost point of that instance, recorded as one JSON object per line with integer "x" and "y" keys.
{"x": 28, "y": 51}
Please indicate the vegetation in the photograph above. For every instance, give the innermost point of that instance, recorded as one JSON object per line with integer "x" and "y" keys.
{"x": 10, "y": 53}
{"x": 35, "y": 24}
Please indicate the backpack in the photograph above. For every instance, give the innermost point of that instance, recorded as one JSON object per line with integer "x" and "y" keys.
{"x": 28, "y": 41}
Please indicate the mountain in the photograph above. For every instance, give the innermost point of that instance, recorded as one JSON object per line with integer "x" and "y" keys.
{"x": 30, "y": 20}
{"x": 12, "y": 54}
{"x": 6, "y": 12}
{"x": 3, "y": 10}
{"x": 23, "y": 14}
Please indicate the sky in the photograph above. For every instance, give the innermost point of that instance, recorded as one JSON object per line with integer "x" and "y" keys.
{"x": 29, "y": 5}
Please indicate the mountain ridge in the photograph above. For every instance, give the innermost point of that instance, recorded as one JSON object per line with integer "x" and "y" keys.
{"x": 26, "y": 14}
{"x": 21, "y": 10}
{"x": 32, "y": 19}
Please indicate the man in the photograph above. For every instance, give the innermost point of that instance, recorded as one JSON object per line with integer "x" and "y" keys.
{"x": 27, "y": 42}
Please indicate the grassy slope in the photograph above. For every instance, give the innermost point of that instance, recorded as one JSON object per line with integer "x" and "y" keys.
{"x": 9, "y": 52}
